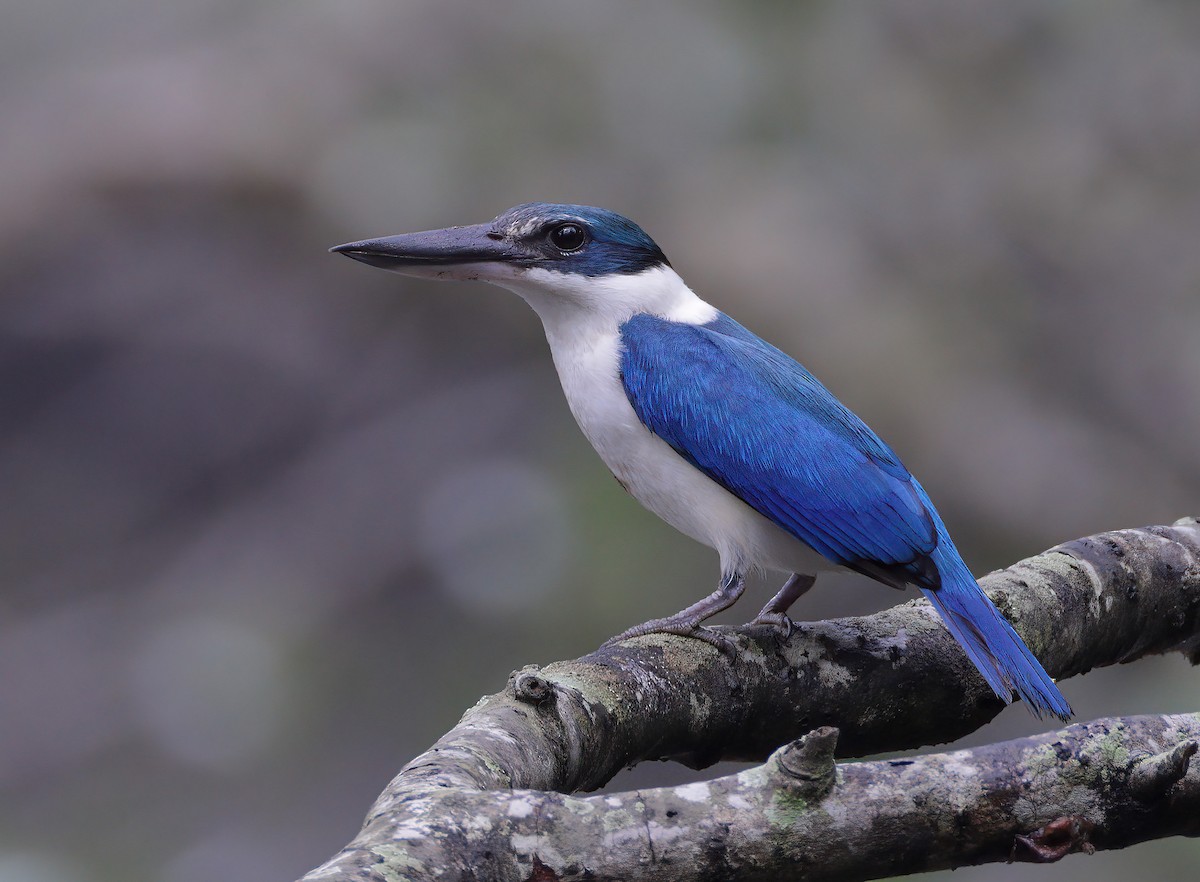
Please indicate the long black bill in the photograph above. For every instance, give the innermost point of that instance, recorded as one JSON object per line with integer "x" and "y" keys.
{"x": 474, "y": 244}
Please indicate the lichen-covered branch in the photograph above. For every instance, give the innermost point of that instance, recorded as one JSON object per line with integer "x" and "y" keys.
{"x": 488, "y": 797}
{"x": 800, "y": 816}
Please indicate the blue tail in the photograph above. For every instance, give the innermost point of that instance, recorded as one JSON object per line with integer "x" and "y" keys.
{"x": 988, "y": 639}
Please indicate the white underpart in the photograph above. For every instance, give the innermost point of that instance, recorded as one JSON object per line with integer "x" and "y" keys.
{"x": 582, "y": 318}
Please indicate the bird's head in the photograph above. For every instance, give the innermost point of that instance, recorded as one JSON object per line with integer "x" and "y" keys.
{"x": 552, "y": 255}
{"x": 565, "y": 239}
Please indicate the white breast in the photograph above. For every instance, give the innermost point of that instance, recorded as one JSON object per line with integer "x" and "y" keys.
{"x": 585, "y": 343}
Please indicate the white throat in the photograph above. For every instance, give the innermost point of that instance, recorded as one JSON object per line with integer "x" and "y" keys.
{"x": 572, "y": 306}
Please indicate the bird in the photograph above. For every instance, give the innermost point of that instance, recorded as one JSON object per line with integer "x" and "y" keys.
{"x": 718, "y": 432}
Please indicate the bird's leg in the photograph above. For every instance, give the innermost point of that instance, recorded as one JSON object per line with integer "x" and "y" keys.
{"x": 686, "y": 623}
{"x": 775, "y": 612}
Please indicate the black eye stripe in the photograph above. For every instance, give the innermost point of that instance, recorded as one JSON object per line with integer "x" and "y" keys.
{"x": 567, "y": 236}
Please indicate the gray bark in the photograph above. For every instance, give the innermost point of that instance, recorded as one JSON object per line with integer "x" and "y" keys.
{"x": 489, "y": 800}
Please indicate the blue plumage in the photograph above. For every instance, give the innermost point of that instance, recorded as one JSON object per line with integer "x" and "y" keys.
{"x": 756, "y": 422}
{"x": 763, "y": 427}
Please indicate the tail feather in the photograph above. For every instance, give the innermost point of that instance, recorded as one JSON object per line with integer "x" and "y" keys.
{"x": 990, "y": 641}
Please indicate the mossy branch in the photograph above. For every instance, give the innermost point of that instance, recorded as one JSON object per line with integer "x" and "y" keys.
{"x": 488, "y": 800}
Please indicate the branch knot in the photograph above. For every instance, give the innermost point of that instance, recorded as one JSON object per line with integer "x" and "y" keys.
{"x": 806, "y": 766}
{"x": 1152, "y": 776}
{"x": 1056, "y": 840}
{"x": 530, "y": 687}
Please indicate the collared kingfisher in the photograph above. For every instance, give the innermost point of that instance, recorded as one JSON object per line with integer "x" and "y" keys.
{"x": 716, "y": 431}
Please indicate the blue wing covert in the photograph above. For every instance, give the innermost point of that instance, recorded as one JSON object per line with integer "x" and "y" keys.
{"x": 756, "y": 422}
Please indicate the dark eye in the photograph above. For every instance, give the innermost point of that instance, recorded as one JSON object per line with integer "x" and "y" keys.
{"x": 568, "y": 237}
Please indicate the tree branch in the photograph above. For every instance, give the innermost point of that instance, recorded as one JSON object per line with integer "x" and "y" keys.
{"x": 891, "y": 680}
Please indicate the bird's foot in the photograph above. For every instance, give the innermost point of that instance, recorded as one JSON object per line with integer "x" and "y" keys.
{"x": 686, "y": 623}
{"x": 681, "y": 627}
{"x": 772, "y": 619}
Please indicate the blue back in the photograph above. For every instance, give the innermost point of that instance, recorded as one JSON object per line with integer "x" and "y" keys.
{"x": 761, "y": 426}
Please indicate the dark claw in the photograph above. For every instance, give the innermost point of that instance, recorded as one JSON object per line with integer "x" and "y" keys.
{"x": 781, "y": 621}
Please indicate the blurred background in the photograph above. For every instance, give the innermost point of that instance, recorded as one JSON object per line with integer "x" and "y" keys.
{"x": 272, "y": 520}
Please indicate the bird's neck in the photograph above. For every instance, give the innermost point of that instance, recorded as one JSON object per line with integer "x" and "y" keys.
{"x": 575, "y": 309}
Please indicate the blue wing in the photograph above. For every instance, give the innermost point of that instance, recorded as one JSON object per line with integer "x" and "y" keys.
{"x": 761, "y": 426}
